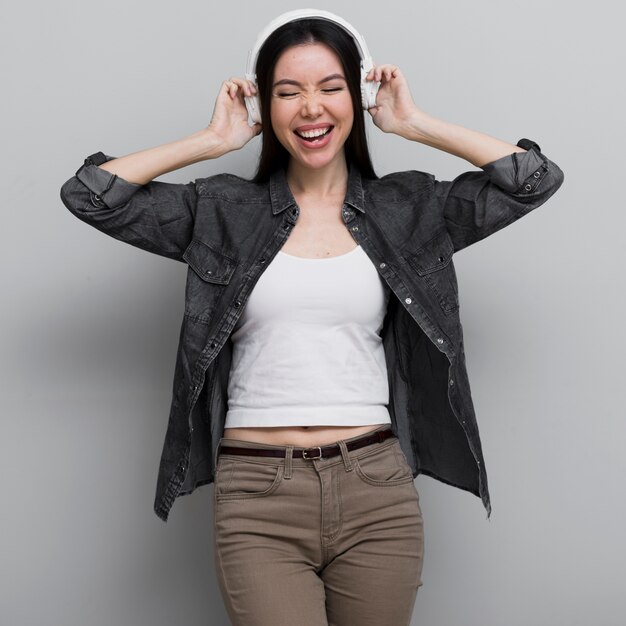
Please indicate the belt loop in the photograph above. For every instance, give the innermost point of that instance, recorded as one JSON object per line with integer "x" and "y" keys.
{"x": 344, "y": 454}
{"x": 288, "y": 457}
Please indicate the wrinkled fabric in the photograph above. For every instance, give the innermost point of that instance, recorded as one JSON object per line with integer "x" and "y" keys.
{"x": 228, "y": 229}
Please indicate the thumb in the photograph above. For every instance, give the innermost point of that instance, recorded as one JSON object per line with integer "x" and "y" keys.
{"x": 257, "y": 128}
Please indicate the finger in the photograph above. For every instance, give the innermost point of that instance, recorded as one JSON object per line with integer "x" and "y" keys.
{"x": 251, "y": 87}
{"x": 388, "y": 71}
{"x": 373, "y": 73}
{"x": 231, "y": 88}
{"x": 247, "y": 87}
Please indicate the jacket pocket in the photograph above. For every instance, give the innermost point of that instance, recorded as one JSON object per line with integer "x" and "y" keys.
{"x": 433, "y": 262}
{"x": 209, "y": 272}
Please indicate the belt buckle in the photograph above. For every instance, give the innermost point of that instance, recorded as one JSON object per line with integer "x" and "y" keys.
{"x": 304, "y": 453}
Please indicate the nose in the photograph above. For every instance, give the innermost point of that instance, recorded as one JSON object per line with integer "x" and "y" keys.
{"x": 311, "y": 105}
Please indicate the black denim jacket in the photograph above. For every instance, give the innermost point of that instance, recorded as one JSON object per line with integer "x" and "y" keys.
{"x": 228, "y": 229}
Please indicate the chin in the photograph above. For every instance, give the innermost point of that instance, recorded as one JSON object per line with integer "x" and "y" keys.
{"x": 315, "y": 161}
{"x": 315, "y": 164}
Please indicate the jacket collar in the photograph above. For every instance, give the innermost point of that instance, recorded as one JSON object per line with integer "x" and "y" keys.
{"x": 282, "y": 198}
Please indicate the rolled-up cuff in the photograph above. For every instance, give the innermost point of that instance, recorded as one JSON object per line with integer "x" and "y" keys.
{"x": 520, "y": 172}
{"x": 107, "y": 190}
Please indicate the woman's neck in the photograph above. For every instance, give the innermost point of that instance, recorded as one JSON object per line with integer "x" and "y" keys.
{"x": 328, "y": 182}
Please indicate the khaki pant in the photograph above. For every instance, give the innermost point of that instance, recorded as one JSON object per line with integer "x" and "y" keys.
{"x": 318, "y": 542}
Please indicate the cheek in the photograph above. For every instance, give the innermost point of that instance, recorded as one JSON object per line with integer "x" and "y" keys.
{"x": 281, "y": 131}
{"x": 348, "y": 112}
{"x": 349, "y": 123}
{"x": 279, "y": 123}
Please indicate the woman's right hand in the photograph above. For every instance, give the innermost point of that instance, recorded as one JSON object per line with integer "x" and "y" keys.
{"x": 230, "y": 115}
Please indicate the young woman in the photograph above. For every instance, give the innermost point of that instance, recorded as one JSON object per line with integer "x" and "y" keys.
{"x": 321, "y": 364}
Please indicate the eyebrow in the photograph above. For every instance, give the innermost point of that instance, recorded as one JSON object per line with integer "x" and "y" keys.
{"x": 288, "y": 81}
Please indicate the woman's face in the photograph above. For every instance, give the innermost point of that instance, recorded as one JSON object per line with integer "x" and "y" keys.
{"x": 309, "y": 96}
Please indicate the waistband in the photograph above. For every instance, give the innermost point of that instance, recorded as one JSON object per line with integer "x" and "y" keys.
{"x": 253, "y": 448}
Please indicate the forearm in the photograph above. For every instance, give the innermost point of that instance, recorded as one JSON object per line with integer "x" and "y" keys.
{"x": 143, "y": 166}
{"x": 477, "y": 148}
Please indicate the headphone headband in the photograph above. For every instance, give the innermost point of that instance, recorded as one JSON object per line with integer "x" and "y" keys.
{"x": 302, "y": 14}
{"x": 369, "y": 89}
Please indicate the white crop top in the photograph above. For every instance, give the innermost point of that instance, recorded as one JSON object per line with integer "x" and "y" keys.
{"x": 307, "y": 348}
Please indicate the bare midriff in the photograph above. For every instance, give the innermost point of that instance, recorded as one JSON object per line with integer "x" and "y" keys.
{"x": 299, "y": 436}
{"x": 316, "y": 235}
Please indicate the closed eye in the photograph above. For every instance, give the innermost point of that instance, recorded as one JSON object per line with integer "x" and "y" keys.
{"x": 292, "y": 94}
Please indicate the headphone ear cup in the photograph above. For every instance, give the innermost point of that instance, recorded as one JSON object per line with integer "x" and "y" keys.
{"x": 369, "y": 90}
{"x": 253, "y": 104}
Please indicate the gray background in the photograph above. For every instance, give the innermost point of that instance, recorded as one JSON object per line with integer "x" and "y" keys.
{"x": 90, "y": 325}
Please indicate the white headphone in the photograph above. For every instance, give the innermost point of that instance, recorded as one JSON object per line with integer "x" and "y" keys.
{"x": 369, "y": 88}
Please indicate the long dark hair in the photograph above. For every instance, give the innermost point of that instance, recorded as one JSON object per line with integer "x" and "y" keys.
{"x": 311, "y": 30}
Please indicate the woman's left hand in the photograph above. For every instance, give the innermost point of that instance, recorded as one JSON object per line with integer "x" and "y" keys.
{"x": 394, "y": 103}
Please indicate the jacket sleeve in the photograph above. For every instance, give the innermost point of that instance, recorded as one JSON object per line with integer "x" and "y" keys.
{"x": 157, "y": 217}
{"x": 478, "y": 204}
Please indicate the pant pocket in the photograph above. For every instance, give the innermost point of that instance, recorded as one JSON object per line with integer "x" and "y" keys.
{"x": 383, "y": 468}
{"x": 243, "y": 479}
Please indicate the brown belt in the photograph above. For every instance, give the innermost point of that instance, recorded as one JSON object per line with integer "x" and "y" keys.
{"x": 319, "y": 451}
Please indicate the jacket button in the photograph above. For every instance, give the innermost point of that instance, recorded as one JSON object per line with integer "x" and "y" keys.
{"x": 213, "y": 344}
{"x": 528, "y": 187}
{"x": 286, "y": 226}
{"x": 408, "y": 300}
{"x": 261, "y": 261}
{"x": 440, "y": 259}
{"x": 536, "y": 174}
{"x": 382, "y": 266}
{"x": 355, "y": 228}
{"x": 237, "y": 304}
{"x": 97, "y": 197}
{"x": 451, "y": 382}
{"x": 439, "y": 340}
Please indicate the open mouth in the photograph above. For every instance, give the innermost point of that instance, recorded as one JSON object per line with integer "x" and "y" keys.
{"x": 313, "y": 136}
